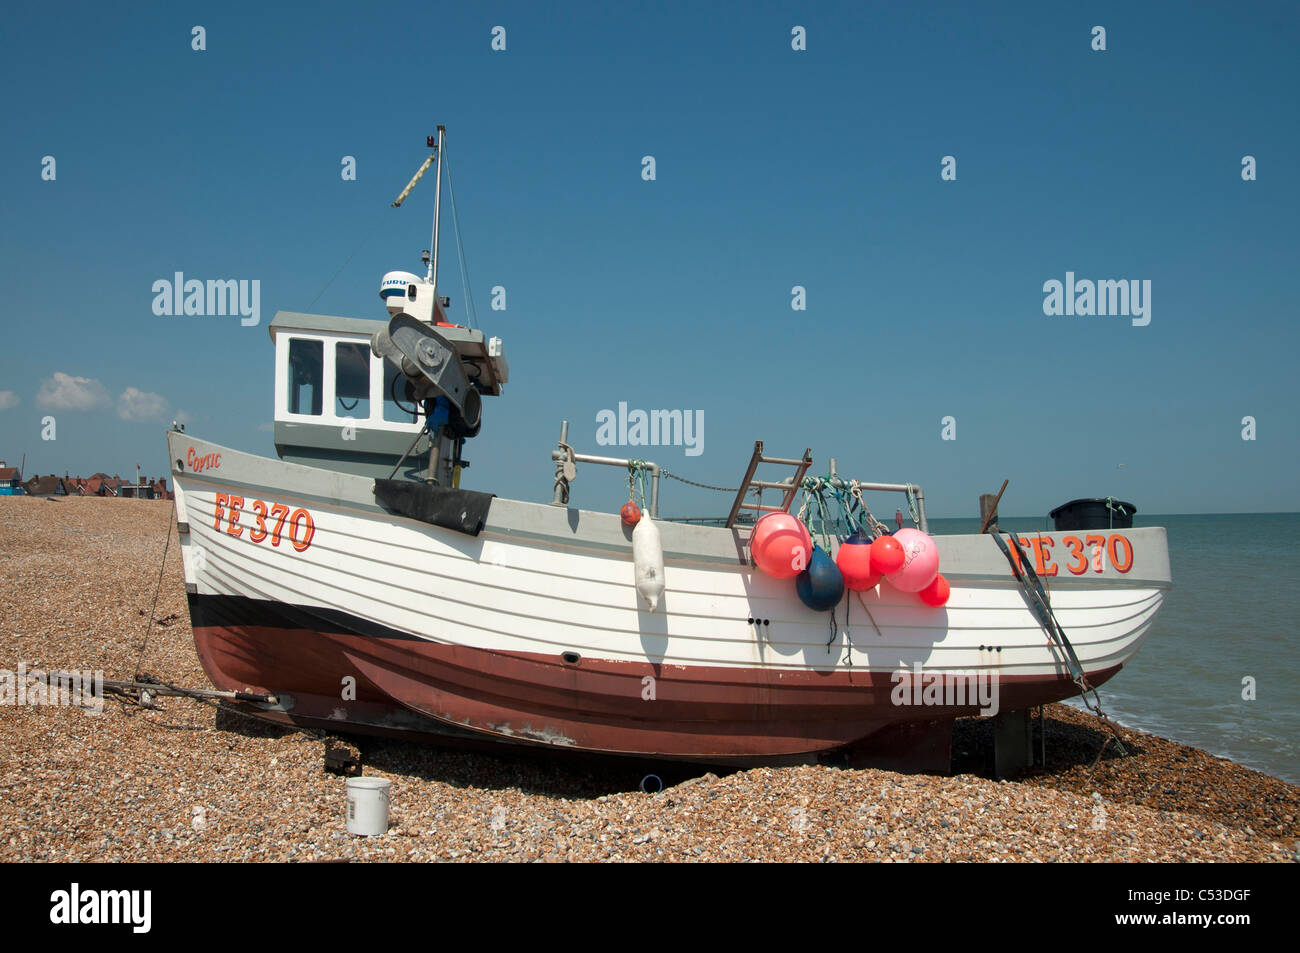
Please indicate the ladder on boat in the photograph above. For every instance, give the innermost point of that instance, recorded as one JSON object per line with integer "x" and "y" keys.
{"x": 790, "y": 486}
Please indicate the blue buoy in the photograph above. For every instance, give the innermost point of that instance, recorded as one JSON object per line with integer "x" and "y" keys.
{"x": 821, "y": 585}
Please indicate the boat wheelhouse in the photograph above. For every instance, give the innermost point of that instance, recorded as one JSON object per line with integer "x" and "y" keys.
{"x": 340, "y": 406}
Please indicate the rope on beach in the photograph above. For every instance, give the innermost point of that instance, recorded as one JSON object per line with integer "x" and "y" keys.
{"x": 148, "y": 625}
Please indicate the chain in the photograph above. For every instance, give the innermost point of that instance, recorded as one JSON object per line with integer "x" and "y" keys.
{"x": 702, "y": 486}
{"x": 1031, "y": 585}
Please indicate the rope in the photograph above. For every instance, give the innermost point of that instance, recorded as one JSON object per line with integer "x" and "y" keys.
{"x": 848, "y": 634}
{"x": 912, "y": 509}
{"x": 561, "y": 481}
{"x": 869, "y": 616}
{"x": 346, "y": 262}
{"x": 825, "y": 512}
{"x": 148, "y": 626}
{"x": 460, "y": 249}
{"x": 1111, "y": 510}
{"x": 813, "y": 493}
{"x": 636, "y": 473}
{"x": 877, "y": 528}
{"x": 845, "y": 510}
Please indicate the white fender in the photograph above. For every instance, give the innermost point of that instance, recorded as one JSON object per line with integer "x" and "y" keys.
{"x": 648, "y": 555}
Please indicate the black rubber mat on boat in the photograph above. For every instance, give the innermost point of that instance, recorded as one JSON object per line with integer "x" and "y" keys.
{"x": 464, "y": 511}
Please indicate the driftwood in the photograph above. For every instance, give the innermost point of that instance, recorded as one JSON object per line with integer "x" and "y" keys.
{"x": 991, "y": 517}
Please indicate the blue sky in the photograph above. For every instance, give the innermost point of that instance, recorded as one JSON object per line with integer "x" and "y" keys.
{"x": 775, "y": 168}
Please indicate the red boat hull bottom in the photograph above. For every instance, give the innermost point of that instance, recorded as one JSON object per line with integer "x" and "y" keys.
{"x": 345, "y": 674}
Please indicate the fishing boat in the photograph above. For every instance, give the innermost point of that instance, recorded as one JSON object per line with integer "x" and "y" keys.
{"x": 354, "y": 584}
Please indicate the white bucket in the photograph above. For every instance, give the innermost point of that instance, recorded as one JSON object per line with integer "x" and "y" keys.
{"x": 368, "y": 806}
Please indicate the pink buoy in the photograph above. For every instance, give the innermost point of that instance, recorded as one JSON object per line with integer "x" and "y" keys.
{"x": 781, "y": 545}
{"x": 920, "y": 561}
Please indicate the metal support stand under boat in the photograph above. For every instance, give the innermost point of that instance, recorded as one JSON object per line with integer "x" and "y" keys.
{"x": 1042, "y": 736}
{"x": 564, "y": 453}
{"x": 1013, "y": 743}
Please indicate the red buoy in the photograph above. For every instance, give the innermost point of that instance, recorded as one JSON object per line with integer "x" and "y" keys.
{"x": 936, "y": 593}
{"x": 854, "y": 560}
{"x": 630, "y": 513}
{"x": 887, "y": 555}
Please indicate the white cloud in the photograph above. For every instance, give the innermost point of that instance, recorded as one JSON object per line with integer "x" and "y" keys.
{"x": 140, "y": 405}
{"x": 8, "y": 399}
{"x": 65, "y": 392}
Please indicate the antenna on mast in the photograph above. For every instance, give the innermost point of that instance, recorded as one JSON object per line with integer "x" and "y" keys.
{"x": 434, "y": 143}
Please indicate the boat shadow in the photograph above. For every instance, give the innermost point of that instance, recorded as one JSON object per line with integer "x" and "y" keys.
{"x": 236, "y": 722}
{"x": 579, "y": 775}
{"x": 568, "y": 776}
{"x": 546, "y": 772}
{"x": 1070, "y": 745}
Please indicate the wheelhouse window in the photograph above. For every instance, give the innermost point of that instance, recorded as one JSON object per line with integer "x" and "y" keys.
{"x": 352, "y": 380}
{"x": 306, "y": 376}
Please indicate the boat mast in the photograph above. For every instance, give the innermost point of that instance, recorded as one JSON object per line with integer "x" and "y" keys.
{"x": 432, "y": 276}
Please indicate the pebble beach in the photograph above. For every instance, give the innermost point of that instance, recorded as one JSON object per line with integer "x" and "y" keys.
{"x": 193, "y": 782}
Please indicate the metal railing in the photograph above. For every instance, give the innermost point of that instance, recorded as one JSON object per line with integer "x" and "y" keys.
{"x": 560, "y": 456}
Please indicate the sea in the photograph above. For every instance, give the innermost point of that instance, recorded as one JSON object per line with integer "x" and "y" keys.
{"x": 1228, "y": 624}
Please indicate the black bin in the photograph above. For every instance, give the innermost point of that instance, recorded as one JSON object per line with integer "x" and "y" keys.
{"x": 1093, "y": 514}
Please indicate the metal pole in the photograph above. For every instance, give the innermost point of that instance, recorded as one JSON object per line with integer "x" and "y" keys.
{"x": 559, "y": 456}
{"x": 402, "y": 459}
{"x": 838, "y": 483}
{"x": 435, "y": 456}
{"x": 560, "y": 483}
{"x": 432, "y": 276}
